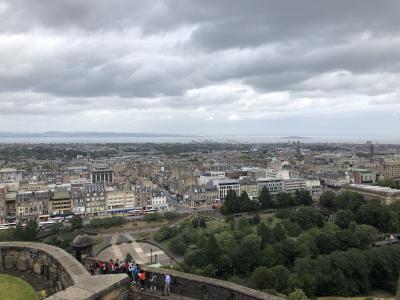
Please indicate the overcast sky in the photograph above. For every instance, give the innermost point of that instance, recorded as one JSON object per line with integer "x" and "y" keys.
{"x": 306, "y": 67}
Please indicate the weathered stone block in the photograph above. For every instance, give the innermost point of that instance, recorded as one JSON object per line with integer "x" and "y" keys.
{"x": 64, "y": 280}
{"x": 22, "y": 263}
{"x": 9, "y": 262}
{"x": 37, "y": 267}
{"x": 59, "y": 286}
{"x": 53, "y": 276}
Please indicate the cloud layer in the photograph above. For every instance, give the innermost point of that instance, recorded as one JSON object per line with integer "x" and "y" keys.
{"x": 229, "y": 66}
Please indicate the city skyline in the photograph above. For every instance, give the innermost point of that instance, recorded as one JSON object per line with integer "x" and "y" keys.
{"x": 229, "y": 67}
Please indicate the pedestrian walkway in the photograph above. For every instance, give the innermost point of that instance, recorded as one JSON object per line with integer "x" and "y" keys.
{"x": 143, "y": 253}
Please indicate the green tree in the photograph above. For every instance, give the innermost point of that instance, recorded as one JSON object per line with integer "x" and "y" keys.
{"x": 194, "y": 256}
{"x": 349, "y": 200}
{"x": 31, "y": 230}
{"x": 247, "y": 205}
{"x": 231, "y": 203}
{"x": 281, "y": 277}
{"x": 389, "y": 182}
{"x": 327, "y": 199}
{"x": 243, "y": 262}
{"x": 366, "y": 234}
{"x": 307, "y": 217}
{"x": 27, "y": 232}
{"x": 347, "y": 239}
{"x": 344, "y": 217}
{"x": 285, "y": 199}
{"x": 226, "y": 241}
{"x": 374, "y": 214}
{"x": 224, "y": 264}
{"x": 210, "y": 270}
{"x": 327, "y": 242}
{"x": 178, "y": 245}
{"x": 170, "y": 215}
{"x": 303, "y": 197}
{"x": 278, "y": 233}
{"x": 165, "y": 233}
{"x": 269, "y": 256}
{"x": 76, "y": 222}
{"x": 266, "y": 234}
{"x": 256, "y": 219}
{"x": 287, "y": 251}
{"x": 265, "y": 198}
{"x": 292, "y": 229}
{"x": 297, "y": 294}
{"x": 212, "y": 249}
{"x": 262, "y": 278}
{"x": 128, "y": 257}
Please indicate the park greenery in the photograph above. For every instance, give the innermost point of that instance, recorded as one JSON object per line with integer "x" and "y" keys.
{"x": 389, "y": 182}
{"x": 20, "y": 232}
{"x": 107, "y": 222}
{"x": 238, "y": 204}
{"x": 15, "y": 288}
{"x": 319, "y": 251}
{"x": 59, "y": 235}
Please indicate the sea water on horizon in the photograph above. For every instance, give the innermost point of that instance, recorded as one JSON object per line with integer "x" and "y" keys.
{"x": 190, "y": 139}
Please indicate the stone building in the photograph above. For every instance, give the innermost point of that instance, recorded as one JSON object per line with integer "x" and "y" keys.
{"x": 117, "y": 201}
{"x": 77, "y": 198}
{"x": 60, "y": 202}
{"x": 31, "y": 204}
{"x": 3, "y": 212}
{"x": 10, "y": 206}
{"x": 101, "y": 174}
{"x": 251, "y": 188}
{"x": 143, "y": 196}
{"x": 384, "y": 195}
{"x": 226, "y": 185}
{"x": 202, "y": 195}
{"x": 95, "y": 199}
{"x": 391, "y": 170}
{"x": 159, "y": 199}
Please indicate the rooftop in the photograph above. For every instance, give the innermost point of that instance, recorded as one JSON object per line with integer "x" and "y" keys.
{"x": 374, "y": 188}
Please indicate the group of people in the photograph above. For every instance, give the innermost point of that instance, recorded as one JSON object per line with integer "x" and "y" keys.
{"x": 136, "y": 274}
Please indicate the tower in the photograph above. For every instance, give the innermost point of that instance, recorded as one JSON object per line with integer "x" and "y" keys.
{"x": 298, "y": 151}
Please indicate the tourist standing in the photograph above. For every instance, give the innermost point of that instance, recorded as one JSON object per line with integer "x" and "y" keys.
{"x": 153, "y": 282}
{"x": 167, "y": 281}
{"x": 142, "y": 278}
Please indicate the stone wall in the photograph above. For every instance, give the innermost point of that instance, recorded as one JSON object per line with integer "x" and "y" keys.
{"x": 199, "y": 287}
{"x": 66, "y": 277}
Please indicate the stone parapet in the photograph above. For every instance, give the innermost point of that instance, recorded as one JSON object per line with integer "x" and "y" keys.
{"x": 197, "y": 287}
{"x": 68, "y": 279}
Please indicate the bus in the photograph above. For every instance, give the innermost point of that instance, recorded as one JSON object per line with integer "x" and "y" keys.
{"x": 45, "y": 225}
{"x": 7, "y": 225}
{"x": 135, "y": 212}
{"x": 57, "y": 219}
{"x": 149, "y": 211}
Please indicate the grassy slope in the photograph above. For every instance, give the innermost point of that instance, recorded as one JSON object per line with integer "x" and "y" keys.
{"x": 14, "y": 288}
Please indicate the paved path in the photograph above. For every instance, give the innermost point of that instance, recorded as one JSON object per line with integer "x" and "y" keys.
{"x": 143, "y": 253}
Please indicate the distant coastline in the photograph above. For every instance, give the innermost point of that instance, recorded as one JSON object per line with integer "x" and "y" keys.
{"x": 295, "y": 137}
{"x": 94, "y": 134}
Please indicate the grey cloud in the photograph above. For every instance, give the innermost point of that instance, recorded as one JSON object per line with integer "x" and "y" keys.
{"x": 197, "y": 58}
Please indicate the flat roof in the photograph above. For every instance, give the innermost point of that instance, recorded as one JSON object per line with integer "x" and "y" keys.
{"x": 6, "y": 170}
{"x": 375, "y": 188}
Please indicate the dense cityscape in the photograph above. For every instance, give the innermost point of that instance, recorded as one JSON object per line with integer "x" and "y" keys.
{"x": 297, "y": 207}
